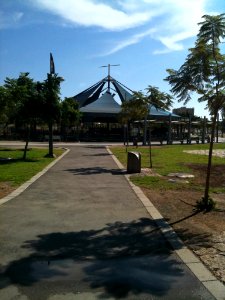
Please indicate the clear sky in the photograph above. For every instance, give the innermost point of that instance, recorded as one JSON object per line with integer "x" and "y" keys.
{"x": 145, "y": 37}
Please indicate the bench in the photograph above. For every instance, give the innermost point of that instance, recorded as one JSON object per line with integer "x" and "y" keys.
{"x": 54, "y": 137}
{"x": 193, "y": 138}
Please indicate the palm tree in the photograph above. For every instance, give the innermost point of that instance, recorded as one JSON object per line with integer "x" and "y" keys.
{"x": 22, "y": 103}
{"x": 203, "y": 72}
{"x": 159, "y": 100}
{"x": 51, "y": 89}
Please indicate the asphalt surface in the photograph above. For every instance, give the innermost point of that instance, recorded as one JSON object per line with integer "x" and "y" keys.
{"x": 80, "y": 232}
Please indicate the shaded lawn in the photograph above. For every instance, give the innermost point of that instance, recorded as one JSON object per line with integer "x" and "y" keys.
{"x": 16, "y": 171}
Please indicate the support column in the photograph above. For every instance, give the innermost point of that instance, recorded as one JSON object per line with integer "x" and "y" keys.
{"x": 169, "y": 141}
{"x": 145, "y": 131}
{"x": 204, "y": 130}
{"x": 189, "y": 130}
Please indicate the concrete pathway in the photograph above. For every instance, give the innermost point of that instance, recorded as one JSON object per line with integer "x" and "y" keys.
{"x": 82, "y": 232}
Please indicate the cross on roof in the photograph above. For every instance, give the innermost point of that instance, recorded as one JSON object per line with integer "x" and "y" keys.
{"x": 109, "y": 65}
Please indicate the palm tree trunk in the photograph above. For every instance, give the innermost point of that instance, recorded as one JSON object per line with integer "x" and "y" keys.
{"x": 50, "y": 143}
{"x": 126, "y": 137}
{"x": 217, "y": 129}
{"x": 207, "y": 183}
{"x": 128, "y": 130}
{"x": 150, "y": 146}
{"x": 145, "y": 131}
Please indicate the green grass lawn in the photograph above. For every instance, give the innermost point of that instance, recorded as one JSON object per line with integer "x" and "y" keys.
{"x": 16, "y": 171}
{"x": 168, "y": 159}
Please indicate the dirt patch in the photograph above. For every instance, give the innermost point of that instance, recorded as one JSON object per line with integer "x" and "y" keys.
{"x": 216, "y": 152}
{"x": 203, "y": 233}
{"x": 5, "y": 189}
{"x": 217, "y": 177}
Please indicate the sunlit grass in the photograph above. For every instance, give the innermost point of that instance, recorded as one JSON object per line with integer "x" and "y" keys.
{"x": 169, "y": 159}
{"x": 16, "y": 171}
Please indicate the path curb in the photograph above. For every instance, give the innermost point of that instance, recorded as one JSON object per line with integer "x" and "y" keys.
{"x": 214, "y": 286}
{"x": 25, "y": 185}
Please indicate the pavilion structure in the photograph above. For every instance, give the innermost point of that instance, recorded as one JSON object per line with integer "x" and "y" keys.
{"x": 100, "y": 108}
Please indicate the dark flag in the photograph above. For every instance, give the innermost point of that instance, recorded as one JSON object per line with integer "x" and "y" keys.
{"x": 52, "y": 65}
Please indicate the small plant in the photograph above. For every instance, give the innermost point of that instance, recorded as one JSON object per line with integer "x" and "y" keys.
{"x": 206, "y": 204}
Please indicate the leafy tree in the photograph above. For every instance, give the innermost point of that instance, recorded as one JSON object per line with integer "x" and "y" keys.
{"x": 139, "y": 107}
{"x": 27, "y": 109}
{"x": 3, "y": 105}
{"x": 70, "y": 114}
{"x": 50, "y": 90}
{"x": 203, "y": 72}
{"x": 21, "y": 102}
{"x": 134, "y": 109}
{"x": 11, "y": 95}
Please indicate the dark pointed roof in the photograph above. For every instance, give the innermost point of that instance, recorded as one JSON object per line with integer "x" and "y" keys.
{"x": 99, "y": 99}
{"x": 92, "y": 94}
{"x": 122, "y": 91}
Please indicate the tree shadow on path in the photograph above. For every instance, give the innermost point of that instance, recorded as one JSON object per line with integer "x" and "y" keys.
{"x": 119, "y": 259}
{"x": 95, "y": 170}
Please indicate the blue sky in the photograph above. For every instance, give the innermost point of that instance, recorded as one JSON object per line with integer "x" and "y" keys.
{"x": 145, "y": 37}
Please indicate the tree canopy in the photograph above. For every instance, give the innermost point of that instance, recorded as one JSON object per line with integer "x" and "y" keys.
{"x": 70, "y": 114}
{"x": 203, "y": 72}
{"x": 139, "y": 107}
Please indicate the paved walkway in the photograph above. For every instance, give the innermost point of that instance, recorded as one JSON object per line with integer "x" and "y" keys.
{"x": 81, "y": 232}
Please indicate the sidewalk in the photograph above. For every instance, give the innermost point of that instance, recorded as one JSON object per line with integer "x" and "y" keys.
{"x": 81, "y": 232}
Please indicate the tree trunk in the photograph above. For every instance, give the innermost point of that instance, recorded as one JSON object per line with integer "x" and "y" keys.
{"x": 217, "y": 129}
{"x": 150, "y": 146}
{"x": 169, "y": 140}
{"x": 145, "y": 131}
{"x": 204, "y": 130}
{"x": 189, "y": 130}
{"x": 27, "y": 141}
{"x": 128, "y": 133}
{"x": 50, "y": 142}
{"x": 207, "y": 183}
{"x": 126, "y": 136}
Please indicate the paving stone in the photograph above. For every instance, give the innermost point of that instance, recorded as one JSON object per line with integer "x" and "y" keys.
{"x": 201, "y": 271}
